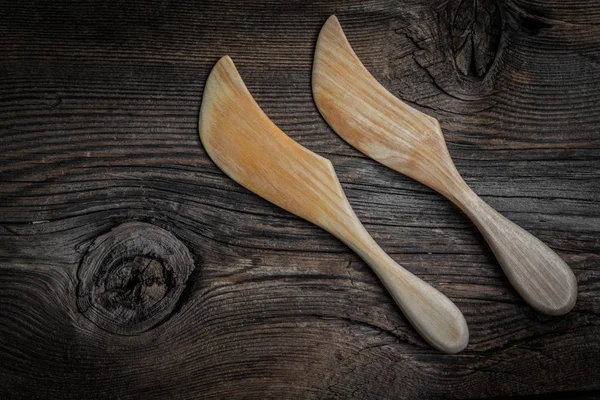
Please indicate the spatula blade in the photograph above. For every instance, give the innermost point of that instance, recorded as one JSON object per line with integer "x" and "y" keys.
{"x": 254, "y": 152}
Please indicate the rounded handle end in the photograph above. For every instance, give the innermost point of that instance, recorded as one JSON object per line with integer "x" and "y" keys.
{"x": 538, "y": 274}
{"x": 432, "y": 314}
{"x": 436, "y": 318}
{"x": 551, "y": 289}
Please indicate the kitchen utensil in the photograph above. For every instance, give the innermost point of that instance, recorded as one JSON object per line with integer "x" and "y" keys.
{"x": 253, "y": 151}
{"x": 371, "y": 119}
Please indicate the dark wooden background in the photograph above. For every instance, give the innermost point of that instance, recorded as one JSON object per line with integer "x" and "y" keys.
{"x": 98, "y": 127}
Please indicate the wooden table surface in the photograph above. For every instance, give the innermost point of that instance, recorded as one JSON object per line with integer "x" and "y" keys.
{"x": 131, "y": 267}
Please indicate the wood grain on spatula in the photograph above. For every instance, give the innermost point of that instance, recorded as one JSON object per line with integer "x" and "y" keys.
{"x": 254, "y": 152}
{"x": 390, "y": 131}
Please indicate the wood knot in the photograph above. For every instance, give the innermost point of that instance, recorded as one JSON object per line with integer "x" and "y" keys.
{"x": 475, "y": 30}
{"x": 132, "y": 277}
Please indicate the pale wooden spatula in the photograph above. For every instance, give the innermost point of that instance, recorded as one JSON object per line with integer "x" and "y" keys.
{"x": 254, "y": 152}
{"x": 384, "y": 128}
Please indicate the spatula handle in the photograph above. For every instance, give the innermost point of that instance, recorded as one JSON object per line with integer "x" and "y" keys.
{"x": 431, "y": 313}
{"x": 538, "y": 274}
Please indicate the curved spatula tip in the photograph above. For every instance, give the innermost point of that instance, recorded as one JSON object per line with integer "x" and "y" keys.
{"x": 332, "y": 27}
{"x": 225, "y": 60}
{"x": 213, "y": 88}
{"x": 332, "y": 20}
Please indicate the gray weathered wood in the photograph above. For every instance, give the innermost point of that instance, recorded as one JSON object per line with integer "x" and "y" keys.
{"x": 98, "y": 126}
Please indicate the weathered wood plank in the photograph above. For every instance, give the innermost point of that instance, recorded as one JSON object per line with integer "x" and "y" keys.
{"x": 98, "y": 126}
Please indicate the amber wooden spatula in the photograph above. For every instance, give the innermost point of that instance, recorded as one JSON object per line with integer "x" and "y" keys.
{"x": 254, "y": 152}
{"x": 384, "y": 128}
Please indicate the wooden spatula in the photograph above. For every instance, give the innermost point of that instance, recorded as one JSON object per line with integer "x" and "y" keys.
{"x": 248, "y": 147}
{"x": 384, "y": 128}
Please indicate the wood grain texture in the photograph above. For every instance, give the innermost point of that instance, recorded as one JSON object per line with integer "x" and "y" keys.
{"x": 245, "y": 144}
{"x": 374, "y": 121}
{"x": 99, "y": 110}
